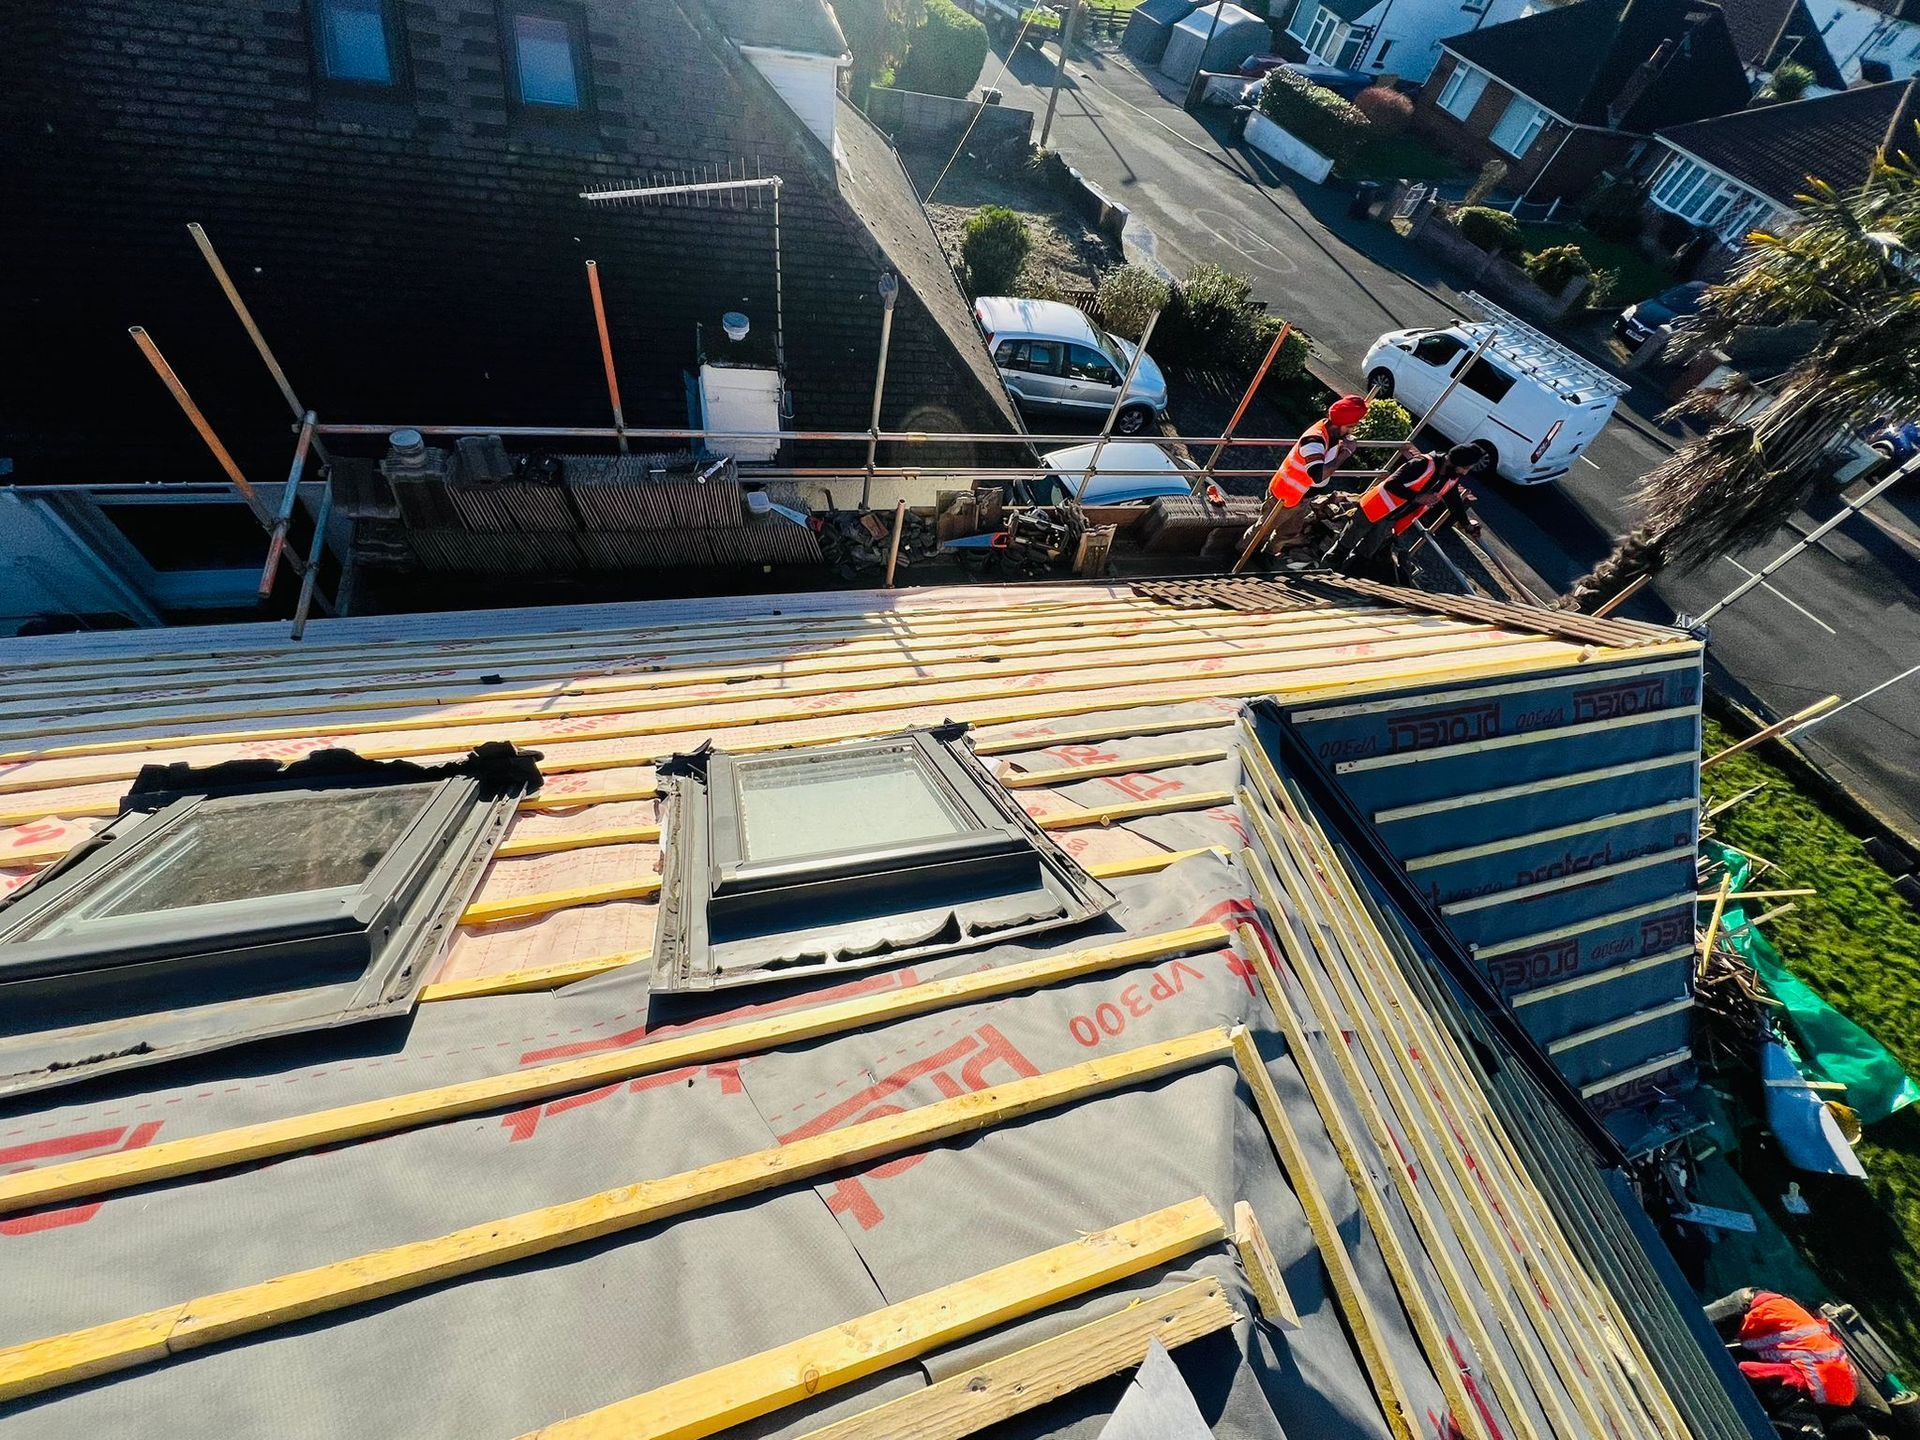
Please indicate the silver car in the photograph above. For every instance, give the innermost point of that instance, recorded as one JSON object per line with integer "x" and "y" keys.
{"x": 1055, "y": 360}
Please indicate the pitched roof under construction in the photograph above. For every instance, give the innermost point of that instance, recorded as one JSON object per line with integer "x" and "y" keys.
{"x": 902, "y": 1189}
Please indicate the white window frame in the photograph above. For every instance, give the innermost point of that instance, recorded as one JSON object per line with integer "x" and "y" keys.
{"x": 1702, "y": 196}
{"x": 1461, "y": 77}
{"x": 1325, "y": 35}
{"x": 1529, "y": 131}
{"x": 1306, "y": 11}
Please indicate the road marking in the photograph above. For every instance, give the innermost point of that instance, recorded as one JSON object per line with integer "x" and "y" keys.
{"x": 1585, "y": 461}
{"x": 1780, "y": 596}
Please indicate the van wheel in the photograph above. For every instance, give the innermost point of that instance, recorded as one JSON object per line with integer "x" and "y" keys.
{"x": 1380, "y": 383}
{"x": 1133, "y": 420}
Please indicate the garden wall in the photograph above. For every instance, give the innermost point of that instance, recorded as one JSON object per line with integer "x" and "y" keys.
{"x": 907, "y": 116}
{"x": 1288, "y": 149}
{"x": 1495, "y": 275}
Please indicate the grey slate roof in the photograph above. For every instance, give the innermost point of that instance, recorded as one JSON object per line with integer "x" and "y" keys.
{"x": 808, "y": 26}
{"x": 1581, "y": 61}
{"x": 1767, "y": 32}
{"x": 1774, "y": 148}
{"x": 875, "y": 185}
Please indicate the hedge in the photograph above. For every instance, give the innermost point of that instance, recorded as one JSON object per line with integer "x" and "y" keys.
{"x": 1313, "y": 114}
{"x": 1556, "y": 265}
{"x": 946, "y": 54}
{"x": 1129, "y": 297}
{"x": 1490, "y": 229}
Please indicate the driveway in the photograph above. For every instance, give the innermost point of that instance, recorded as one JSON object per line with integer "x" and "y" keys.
{"x": 1840, "y": 620}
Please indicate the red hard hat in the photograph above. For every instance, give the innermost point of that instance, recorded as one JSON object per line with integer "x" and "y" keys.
{"x": 1347, "y": 410}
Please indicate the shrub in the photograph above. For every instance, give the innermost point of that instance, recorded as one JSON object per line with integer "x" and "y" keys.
{"x": 1213, "y": 319}
{"x": 1129, "y": 296}
{"x": 1790, "y": 81}
{"x": 1384, "y": 420}
{"x": 993, "y": 247}
{"x": 1553, "y": 267}
{"x": 1491, "y": 175}
{"x": 946, "y": 54}
{"x": 1615, "y": 211}
{"x": 1488, "y": 228}
{"x": 1313, "y": 114}
{"x": 1387, "y": 110}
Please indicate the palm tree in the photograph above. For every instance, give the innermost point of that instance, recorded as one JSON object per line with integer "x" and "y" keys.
{"x": 1843, "y": 269}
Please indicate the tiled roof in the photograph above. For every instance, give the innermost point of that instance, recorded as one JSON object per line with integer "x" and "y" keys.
{"x": 1774, "y": 148}
{"x": 807, "y": 26}
{"x": 1582, "y": 61}
{"x": 1766, "y": 32}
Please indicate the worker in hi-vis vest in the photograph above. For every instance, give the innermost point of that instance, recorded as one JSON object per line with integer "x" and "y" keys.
{"x": 1323, "y": 447}
{"x": 1798, "y": 1366}
{"x": 1402, "y": 492}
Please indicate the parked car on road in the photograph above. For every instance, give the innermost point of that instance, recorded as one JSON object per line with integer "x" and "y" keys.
{"x": 1131, "y": 472}
{"x": 1054, "y": 360}
{"x": 1530, "y": 402}
{"x": 1638, "y": 322}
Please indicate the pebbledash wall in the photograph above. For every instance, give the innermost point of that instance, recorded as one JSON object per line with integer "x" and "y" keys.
{"x": 418, "y": 258}
{"x": 1553, "y": 822}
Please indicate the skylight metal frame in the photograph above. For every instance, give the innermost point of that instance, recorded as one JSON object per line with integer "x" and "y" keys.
{"x": 151, "y": 985}
{"x": 831, "y": 910}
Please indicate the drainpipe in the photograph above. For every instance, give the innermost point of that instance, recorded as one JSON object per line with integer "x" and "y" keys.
{"x": 1552, "y": 160}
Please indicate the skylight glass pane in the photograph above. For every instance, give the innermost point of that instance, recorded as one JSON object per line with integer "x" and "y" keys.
{"x": 795, "y": 806}
{"x": 544, "y": 49}
{"x": 252, "y": 847}
{"x": 354, "y": 39}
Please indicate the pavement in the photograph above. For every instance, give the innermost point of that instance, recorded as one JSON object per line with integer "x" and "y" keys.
{"x": 1841, "y": 619}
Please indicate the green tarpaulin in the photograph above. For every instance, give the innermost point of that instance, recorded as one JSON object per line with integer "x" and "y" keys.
{"x": 1831, "y": 1046}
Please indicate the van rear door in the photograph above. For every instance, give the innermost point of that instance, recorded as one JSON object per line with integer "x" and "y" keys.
{"x": 1579, "y": 425}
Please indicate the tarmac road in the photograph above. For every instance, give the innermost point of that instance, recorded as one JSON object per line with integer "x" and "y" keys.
{"x": 1840, "y": 620}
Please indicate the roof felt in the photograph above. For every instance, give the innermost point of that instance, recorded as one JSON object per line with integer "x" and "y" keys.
{"x": 807, "y": 26}
{"x": 1775, "y": 148}
{"x": 1584, "y": 61}
{"x": 1118, "y": 722}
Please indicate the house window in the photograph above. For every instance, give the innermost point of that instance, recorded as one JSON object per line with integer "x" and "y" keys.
{"x": 1380, "y": 55}
{"x": 1519, "y": 126}
{"x": 1462, "y": 90}
{"x": 357, "y": 42}
{"x": 839, "y": 857}
{"x": 1325, "y": 35}
{"x": 1352, "y": 42}
{"x": 546, "y": 46}
{"x": 223, "y": 905}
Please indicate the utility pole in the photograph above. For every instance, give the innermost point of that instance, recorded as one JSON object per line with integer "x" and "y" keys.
{"x": 1060, "y": 70}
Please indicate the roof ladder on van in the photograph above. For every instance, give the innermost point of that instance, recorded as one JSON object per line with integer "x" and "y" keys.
{"x": 1539, "y": 355}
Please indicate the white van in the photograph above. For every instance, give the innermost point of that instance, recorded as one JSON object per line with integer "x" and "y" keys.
{"x": 1535, "y": 404}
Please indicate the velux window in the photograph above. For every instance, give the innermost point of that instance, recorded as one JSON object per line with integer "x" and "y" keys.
{"x": 243, "y": 901}
{"x": 843, "y": 856}
{"x": 357, "y": 42}
{"x": 546, "y": 50}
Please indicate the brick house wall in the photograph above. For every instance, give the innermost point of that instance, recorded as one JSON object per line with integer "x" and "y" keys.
{"x": 1549, "y": 170}
{"x": 417, "y": 260}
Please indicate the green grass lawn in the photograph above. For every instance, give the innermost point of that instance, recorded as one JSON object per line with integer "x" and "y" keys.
{"x": 1639, "y": 276}
{"x": 1858, "y": 944}
{"x": 1400, "y": 157}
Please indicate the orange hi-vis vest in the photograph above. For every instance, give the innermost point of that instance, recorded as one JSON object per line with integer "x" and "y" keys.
{"x": 1292, "y": 482}
{"x": 1379, "y": 502}
{"x": 1789, "y": 1344}
{"x": 1405, "y": 522}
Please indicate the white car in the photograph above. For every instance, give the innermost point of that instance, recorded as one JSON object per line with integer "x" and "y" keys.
{"x": 1533, "y": 404}
{"x": 1131, "y": 472}
{"x": 1053, "y": 359}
